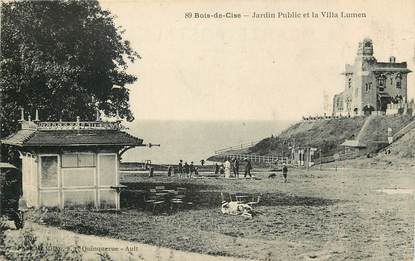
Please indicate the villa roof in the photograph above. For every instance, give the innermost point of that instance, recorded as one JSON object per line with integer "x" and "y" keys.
{"x": 402, "y": 65}
{"x": 56, "y": 137}
{"x": 391, "y": 69}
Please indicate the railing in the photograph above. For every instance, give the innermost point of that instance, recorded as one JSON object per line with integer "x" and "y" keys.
{"x": 72, "y": 125}
{"x": 237, "y": 147}
{"x": 322, "y": 117}
{"x": 341, "y": 156}
{"x": 256, "y": 158}
{"x": 404, "y": 130}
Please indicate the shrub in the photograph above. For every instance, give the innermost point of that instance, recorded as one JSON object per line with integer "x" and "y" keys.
{"x": 3, "y": 228}
{"x": 28, "y": 247}
{"x": 104, "y": 256}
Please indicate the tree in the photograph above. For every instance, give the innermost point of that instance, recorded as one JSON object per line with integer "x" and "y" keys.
{"x": 63, "y": 58}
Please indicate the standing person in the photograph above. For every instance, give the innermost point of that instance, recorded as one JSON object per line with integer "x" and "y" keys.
{"x": 186, "y": 169}
{"x": 236, "y": 168}
{"x": 227, "y": 166}
{"x": 169, "y": 170}
{"x": 284, "y": 172}
{"x": 216, "y": 168}
{"x": 202, "y": 162}
{"x": 191, "y": 169}
{"x": 151, "y": 172}
{"x": 222, "y": 169}
{"x": 180, "y": 168}
{"x": 248, "y": 168}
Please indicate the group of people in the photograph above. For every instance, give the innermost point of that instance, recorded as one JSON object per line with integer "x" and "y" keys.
{"x": 232, "y": 166}
{"x": 183, "y": 169}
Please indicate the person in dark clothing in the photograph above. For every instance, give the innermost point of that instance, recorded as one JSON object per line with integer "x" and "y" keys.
{"x": 180, "y": 168}
{"x": 191, "y": 169}
{"x": 285, "y": 172}
{"x": 151, "y": 172}
{"x": 222, "y": 169}
{"x": 248, "y": 168}
{"x": 186, "y": 169}
{"x": 236, "y": 168}
{"x": 216, "y": 168}
{"x": 169, "y": 171}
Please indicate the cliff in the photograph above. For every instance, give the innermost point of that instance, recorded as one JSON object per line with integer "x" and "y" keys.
{"x": 327, "y": 135}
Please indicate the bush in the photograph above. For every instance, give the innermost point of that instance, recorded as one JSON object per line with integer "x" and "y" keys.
{"x": 104, "y": 256}
{"x": 28, "y": 247}
{"x": 3, "y": 228}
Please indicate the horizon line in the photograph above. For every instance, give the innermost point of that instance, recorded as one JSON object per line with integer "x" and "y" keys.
{"x": 239, "y": 120}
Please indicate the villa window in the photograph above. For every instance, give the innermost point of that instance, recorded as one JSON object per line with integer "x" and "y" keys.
{"x": 398, "y": 80}
{"x": 339, "y": 104}
{"x": 350, "y": 82}
{"x": 381, "y": 82}
{"x": 368, "y": 86}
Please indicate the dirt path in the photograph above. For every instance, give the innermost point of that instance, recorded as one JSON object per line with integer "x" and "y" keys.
{"x": 117, "y": 249}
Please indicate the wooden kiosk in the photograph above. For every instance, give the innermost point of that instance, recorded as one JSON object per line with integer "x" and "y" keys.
{"x": 71, "y": 164}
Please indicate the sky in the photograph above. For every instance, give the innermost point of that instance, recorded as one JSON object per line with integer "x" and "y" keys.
{"x": 253, "y": 69}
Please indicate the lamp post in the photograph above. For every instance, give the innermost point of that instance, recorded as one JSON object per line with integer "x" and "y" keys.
{"x": 282, "y": 151}
{"x": 321, "y": 153}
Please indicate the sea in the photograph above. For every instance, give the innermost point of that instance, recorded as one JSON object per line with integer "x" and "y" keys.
{"x": 194, "y": 140}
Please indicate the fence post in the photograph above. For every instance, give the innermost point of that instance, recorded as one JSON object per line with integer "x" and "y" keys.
{"x": 320, "y": 158}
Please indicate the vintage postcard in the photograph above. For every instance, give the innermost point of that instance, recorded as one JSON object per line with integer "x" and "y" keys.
{"x": 207, "y": 130}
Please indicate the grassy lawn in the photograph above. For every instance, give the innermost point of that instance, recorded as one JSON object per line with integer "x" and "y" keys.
{"x": 323, "y": 215}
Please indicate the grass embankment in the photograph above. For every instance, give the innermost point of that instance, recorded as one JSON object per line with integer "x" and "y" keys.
{"x": 325, "y": 215}
{"x": 401, "y": 156}
{"x": 377, "y": 128}
{"x": 324, "y": 134}
{"x": 327, "y": 135}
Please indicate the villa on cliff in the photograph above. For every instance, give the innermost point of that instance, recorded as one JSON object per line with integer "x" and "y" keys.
{"x": 373, "y": 87}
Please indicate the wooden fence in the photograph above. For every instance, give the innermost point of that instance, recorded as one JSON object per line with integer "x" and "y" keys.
{"x": 255, "y": 158}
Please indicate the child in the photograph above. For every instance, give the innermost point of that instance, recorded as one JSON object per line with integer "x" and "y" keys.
{"x": 285, "y": 172}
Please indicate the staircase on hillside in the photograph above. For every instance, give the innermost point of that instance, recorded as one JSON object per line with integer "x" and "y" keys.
{"x": 358, "y": 140}
{"x": 365, "y": 126}
{"x": 404, "y": 130}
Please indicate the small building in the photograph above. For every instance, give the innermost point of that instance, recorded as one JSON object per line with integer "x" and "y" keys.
{"x": 353, "y": 146}
{"x": 304, "y": 156}
{"x": 71, "y": 164}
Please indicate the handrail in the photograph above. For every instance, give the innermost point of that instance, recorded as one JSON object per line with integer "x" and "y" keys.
{"x": 404, "y": 130}
{"x": 255, "y": 158}
{"x": 240, "y": 146}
